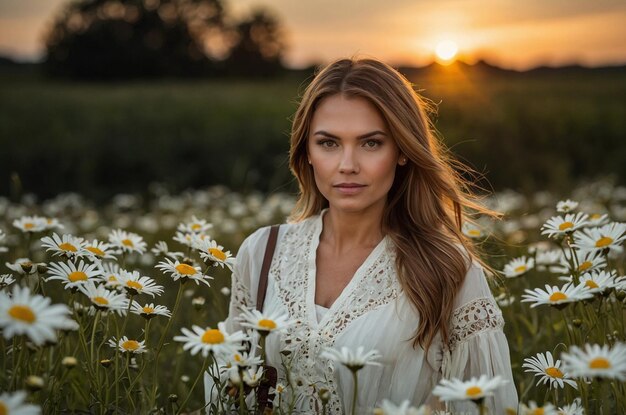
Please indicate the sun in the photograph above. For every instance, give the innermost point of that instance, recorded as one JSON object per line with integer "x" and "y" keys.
{"x": 446, "y": 51}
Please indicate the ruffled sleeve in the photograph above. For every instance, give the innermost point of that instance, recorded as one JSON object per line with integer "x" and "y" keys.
{"x": 245, "y": 276}
{"x": 477, "y": 345}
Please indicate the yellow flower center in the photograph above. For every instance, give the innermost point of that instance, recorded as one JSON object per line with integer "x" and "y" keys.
{"x": 267, "y": 324}
{"x": 217, "y": 253}
{"x": 595, "y": 216}
{"x": 591, "y": 284}
{"x": 473, "y": 232}
{"x": 604, "y": 242}
{"x": 22, "y": 313}
{"x": 95, "y": 251}
{"x": 148, "y": 310}
{"x": 585, "y": 266}
{"x": 557, "y": 296}
{"x": 77, "y": 276}
{"x": 213, "y": 336}
{"x": 538, "y": 411}
{"x": 599, "y": 363}
{"x": 112, "y": 278}
{"x": 29, "y": 225}
{"x": 521, "y": 268}
{"x": 66, "y": 246}
{"x": 3, "y": 409}
{"x": 134, "y": 284}
{"x": 130, "y": 345}
{"x": 565, "y": 225}
{"x": 100, "y": 300}
{"x": 186, "y": 269}
{"x": 195, "y": 227}
{"x": 473, "y": 391}
{"x": 237, "y": 357}
{"x": 128, "y": 242}
{"x": 554, "y": 372}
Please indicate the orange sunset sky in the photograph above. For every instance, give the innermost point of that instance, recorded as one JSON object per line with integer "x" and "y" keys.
{"x": 510, "y": 33}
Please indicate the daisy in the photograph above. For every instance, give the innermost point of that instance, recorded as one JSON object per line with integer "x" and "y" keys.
{"x": 13, "y": 403}
{"x": 558, "y": 226}
{"x": 128, "y": 242}
{"x": 136, "y": 284}
{"x": 534, "y": 409}
{"x": 6, "y": 280}
{"x": 30, "y": 224}
{"x": 183, "y": 238}
{"x": 389, "y": 408}
{"x": 550, "y": 261}
{"x": 474, "y": 389}
{"x": 472, "y": 231}
{"x": 556, "y": 296}
{"x": 352, "y": 359}
{"x": 70, "y": 274}
{"x": 549, "y": 371}
{"x": 586, "y": 260}
{"x": 252, "y": 376}
{"x": 211, "y": 251}
{"x": 103, "y": 299}
{"x": 161, "y": 249}
{"x": 597, "y": 361}
{"x": 243, "y": 359}
{"x": 575, "y": 408}
{"x": 195, "y": 225}
{"x": 32, "y": 315}
{"x": 23, "y": 266}
{"x": 208, "y": 340}
{"x": 597, "y": 282}
{"x": 98, "y": 250}
{"x": 597, "y": 219}
{"x": 149, "y": 311}
{"x": 264, "y": 323}
{"x": 110, "y": 274}
{"x": 183, "y": 271}
{"x": 67, "y": 245}
{"x": 565, "y": 206}
{"x": 518, "y": 266}
{"x": 2, "y": 238}
{"x": 53, "y": 223}
{"x": 126, "y": 345}
{"x": 609, "y": 237}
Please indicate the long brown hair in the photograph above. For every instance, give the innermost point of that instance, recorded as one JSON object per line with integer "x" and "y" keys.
{"x": 428, "y": 201}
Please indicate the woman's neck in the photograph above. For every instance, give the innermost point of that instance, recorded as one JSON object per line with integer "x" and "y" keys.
{"x": 344, "y": 231}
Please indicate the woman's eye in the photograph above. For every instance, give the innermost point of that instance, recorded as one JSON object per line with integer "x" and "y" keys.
{"x": 326, "y": 143}
{"x": 372, "y": 143}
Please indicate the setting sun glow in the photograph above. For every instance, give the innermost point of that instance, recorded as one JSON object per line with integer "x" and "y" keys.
{"x": 446, "y": 51}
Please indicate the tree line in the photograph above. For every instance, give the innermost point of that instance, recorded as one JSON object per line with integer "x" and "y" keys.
{"x": 121, "y": 39}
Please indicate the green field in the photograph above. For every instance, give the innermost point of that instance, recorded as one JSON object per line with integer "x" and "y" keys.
{"x": 527, "y": 131}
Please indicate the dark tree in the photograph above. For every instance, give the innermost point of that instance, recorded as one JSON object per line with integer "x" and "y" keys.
{"x": 105, "y": 39}
{"x": 258, "y": 46}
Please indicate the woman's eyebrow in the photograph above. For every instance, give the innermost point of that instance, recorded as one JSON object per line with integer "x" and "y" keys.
{"x": 368, "y": 135}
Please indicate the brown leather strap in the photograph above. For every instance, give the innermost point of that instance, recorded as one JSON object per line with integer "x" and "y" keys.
{"x": 265, "y": 268}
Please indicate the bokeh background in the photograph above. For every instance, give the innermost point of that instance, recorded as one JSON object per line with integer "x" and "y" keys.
{"x": 103, "y": 97}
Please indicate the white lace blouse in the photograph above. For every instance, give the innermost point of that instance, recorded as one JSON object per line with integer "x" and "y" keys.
{"x": 372, "y": 311}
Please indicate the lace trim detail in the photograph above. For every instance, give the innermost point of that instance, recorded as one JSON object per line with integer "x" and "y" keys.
{"x": 240, "y": 294}
{"x": 479, "y": 315}
{"x": 290, "y": 269}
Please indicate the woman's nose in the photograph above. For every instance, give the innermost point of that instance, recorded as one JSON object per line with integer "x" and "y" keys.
{"x": 348, "y": 163}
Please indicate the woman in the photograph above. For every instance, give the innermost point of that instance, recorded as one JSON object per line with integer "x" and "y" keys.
{"x": 373, "y": 254}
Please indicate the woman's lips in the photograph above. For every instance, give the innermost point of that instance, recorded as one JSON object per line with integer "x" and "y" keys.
{"x": 349, "y": 188}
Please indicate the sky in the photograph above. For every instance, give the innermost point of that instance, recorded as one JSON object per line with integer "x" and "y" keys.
{"x": 509, "y": 33}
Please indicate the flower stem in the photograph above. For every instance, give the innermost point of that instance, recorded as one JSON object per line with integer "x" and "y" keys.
{"x": 354, "y": 392}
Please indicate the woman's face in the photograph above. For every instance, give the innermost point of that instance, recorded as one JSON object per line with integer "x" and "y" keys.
{"x": 353, "y": 156}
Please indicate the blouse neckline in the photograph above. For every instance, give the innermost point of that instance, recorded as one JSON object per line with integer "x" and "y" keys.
{"x": 359, "y": 274}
